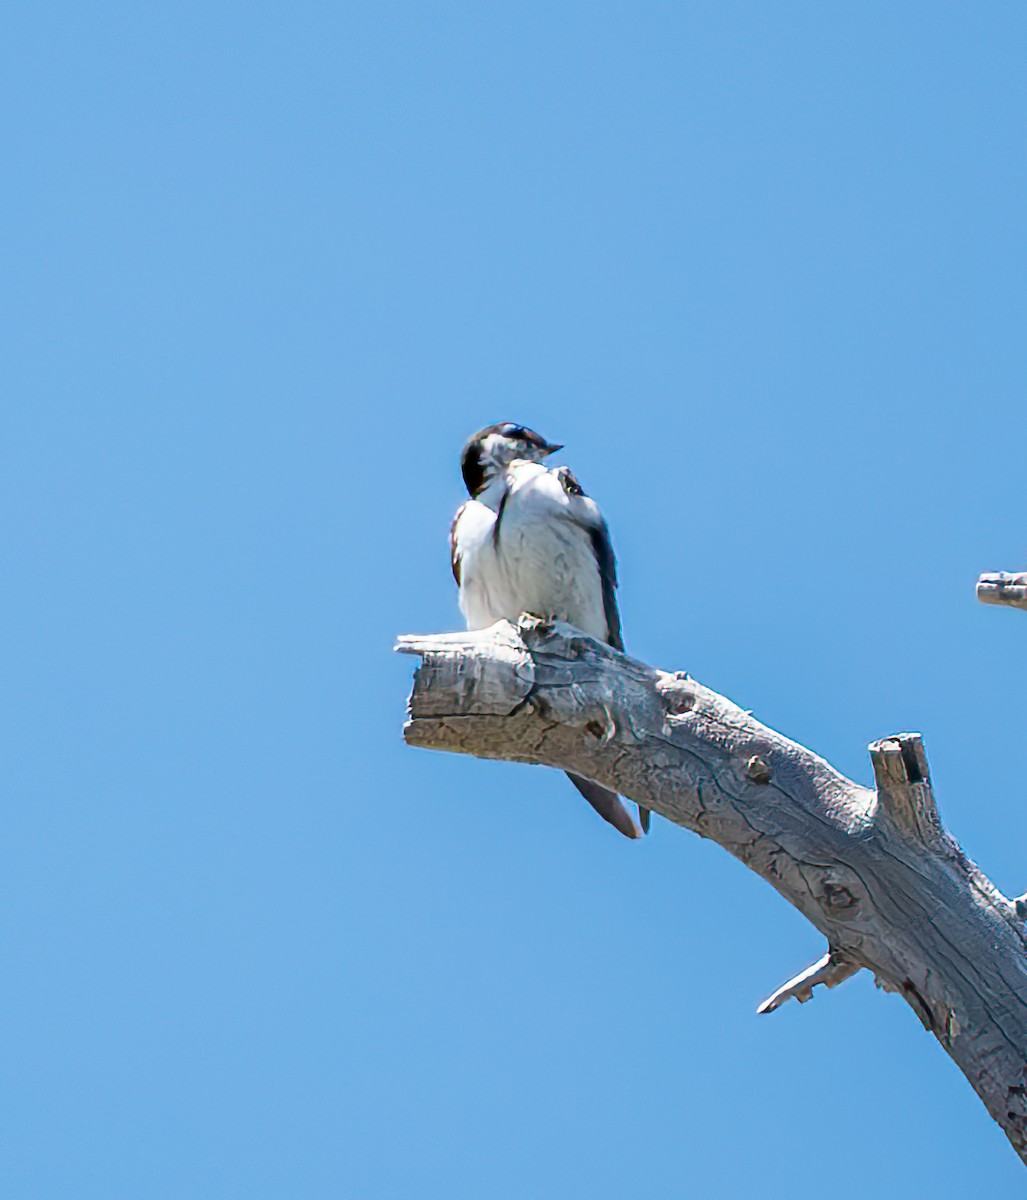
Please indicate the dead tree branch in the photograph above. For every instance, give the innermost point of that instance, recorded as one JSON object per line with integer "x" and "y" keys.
{"x": 830, "y": 970}
{"x": 874, "y": 870}
{"x": 1001, "y": 587}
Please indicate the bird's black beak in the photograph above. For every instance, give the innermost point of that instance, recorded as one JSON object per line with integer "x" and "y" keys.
{"x": 550, "y": 448}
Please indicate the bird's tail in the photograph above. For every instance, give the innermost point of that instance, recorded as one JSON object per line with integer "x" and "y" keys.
{"x": 610, "y": 806}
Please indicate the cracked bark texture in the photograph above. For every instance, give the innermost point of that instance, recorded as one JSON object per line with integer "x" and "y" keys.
{"x": 1003, "y": 587}
{"x": 872, "y": 868}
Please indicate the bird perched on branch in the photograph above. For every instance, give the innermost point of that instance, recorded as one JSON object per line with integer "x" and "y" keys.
{"x": 530, "y": 540}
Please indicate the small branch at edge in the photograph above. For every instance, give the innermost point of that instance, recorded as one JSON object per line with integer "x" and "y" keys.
{"x": 1003, "y": 587}
{"x": 830, "y": 970}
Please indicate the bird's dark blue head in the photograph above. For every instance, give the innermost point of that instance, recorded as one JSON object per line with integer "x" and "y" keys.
{"x": 491, "y": 449}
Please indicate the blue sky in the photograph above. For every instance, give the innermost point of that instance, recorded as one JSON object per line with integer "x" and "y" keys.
{"x": 761, "y": 268}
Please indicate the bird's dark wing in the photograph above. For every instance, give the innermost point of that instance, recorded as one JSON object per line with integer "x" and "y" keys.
{"x": 454, "y": 553}
{"x": 606, "y": 803}
{"x": 602, "y": 548}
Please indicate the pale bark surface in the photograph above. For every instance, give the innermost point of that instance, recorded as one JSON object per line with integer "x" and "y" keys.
{"x": 1003, "y": 587}
{"x": 874, "y": 870}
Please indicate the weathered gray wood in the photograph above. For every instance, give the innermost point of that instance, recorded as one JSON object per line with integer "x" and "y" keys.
{"x": 904, "y": 792}
{"x": 831, "y": 970}
{"x": 873, "y": 870}
{"x": 1001, "y": 587}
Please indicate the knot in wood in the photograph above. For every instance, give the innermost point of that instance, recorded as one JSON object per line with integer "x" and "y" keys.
{"x": 839, "y": 893}
{"x": 678, "y": 697}
{"x": 757, "y": 770}
{"x": 838, "y": 897}
{"x": 602, "y": 727}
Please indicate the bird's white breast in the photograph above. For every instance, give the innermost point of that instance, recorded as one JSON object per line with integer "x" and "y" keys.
{"x": 539, "y": 560}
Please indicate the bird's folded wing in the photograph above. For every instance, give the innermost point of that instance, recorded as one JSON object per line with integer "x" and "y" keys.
{"x": 607, "y": 804}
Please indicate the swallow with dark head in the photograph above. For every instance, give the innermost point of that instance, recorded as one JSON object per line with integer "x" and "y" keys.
{"x": 529, "y": 540}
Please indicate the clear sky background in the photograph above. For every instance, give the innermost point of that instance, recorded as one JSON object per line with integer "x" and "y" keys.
{"x": 761, "y": 267}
